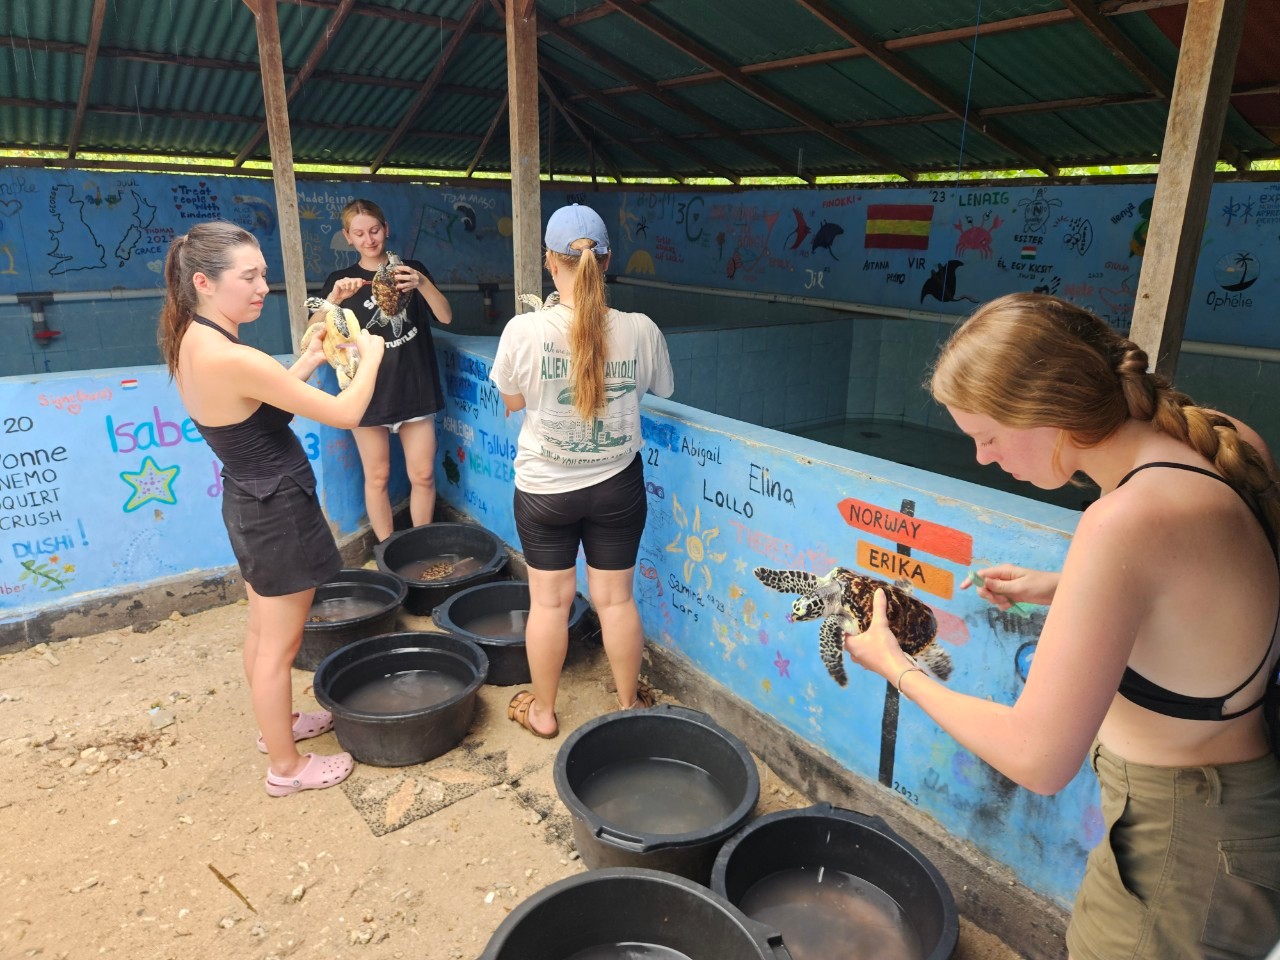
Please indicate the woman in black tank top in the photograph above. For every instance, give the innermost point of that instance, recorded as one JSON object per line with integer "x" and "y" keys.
{"x": 1159, "y": 651}
{"x": 242, "y": 401}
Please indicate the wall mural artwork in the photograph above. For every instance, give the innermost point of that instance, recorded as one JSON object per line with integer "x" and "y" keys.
{"x": 940, "y": 249}
{"x": 105, "y": 482}
{"x": 77, "y": 230}
{"x": 947, "y": 249}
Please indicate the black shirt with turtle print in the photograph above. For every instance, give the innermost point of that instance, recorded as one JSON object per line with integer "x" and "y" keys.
{"x": 409, "y": 379}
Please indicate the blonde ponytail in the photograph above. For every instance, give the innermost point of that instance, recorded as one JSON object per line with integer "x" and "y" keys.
{"x": 587, "y": 332}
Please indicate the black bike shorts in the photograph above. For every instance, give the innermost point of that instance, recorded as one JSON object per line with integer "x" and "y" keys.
{"x": 607, "y": 518}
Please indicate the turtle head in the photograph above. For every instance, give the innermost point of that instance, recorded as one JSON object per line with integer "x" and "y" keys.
{"x": 808, "y": 607}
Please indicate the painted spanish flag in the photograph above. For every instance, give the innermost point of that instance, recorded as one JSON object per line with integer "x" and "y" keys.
{"x": 898, "y": 226}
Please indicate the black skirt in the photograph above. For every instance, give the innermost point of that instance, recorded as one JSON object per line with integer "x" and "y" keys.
{"x": 282, "y": 542}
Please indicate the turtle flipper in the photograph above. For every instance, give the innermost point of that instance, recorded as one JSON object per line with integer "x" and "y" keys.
{"x": 831, "y": 648}
{"x": 786, "y": 581}
{"x": 937, "y": 660}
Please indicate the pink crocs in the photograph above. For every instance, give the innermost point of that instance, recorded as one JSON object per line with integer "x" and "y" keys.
{"x": 306, "y": 726}
{"x": 319, "y": 772}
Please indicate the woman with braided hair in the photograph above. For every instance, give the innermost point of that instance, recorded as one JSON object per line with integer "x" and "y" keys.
{"x": 1158, "y": 654}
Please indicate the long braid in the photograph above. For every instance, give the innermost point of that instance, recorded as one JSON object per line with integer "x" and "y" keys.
{"x": 1209, "y": 433}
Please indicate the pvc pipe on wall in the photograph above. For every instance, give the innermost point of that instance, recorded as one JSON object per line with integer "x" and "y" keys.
{"x": 80, "y": 296}
{"x": 1267, "y": 354}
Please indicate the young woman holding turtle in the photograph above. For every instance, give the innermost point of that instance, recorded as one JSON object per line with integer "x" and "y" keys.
{"x": 1159, "y": 651}
{"x": 241, "y": 401}
{"x": 396, "y": 300}
{"x": 578, "y": 369}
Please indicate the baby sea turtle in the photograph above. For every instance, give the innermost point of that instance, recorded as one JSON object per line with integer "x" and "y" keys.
{"x": 390, "y": 299}
{"x": 843, "y": 599}
{"x": 341, "y": 327}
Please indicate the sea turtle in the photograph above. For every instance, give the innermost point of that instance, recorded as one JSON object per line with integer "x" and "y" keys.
{"x": 389, "y": 298}
{"x": 843, "y": 599}
{"x": 341, "y": 327}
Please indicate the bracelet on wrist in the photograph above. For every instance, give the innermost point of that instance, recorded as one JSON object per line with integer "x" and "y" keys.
{"x": 905, "y": 670}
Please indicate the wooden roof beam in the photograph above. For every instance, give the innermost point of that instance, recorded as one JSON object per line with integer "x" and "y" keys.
{"x": 617, "y": 67}
{"x": 1121, "y": 47}
{"x": 86, "y": 75}
{"x": 493, "y": 128}
{"x": 1011, "y": 25}
{"x": 838, "y": 23}
{"x": 591, "y": 145}
{"x": 428, "y": 87}
{"x": 207, "y": 63}
{"x": 598, "y": 148}
{"x": 378, "y": 12}
{"x": 313, "y": 60}
{"x": 627, "y": 115}
{"x": 755, "y": 88}
{"x": 1197, "y": 113}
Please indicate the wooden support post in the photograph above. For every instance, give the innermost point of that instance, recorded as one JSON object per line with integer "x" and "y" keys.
{"x": 276, "y": 101}
{"x": 1197, "y": 111}
{"x": 522, "y": 111}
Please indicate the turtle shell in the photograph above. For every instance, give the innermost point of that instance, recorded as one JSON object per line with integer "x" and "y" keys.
{"x": 911, "y": 620}
{"x": 389, "y": 299}
{"x": 341, "y": 327}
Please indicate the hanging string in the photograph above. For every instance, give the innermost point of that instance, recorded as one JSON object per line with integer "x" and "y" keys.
{"x": 964, "y": 124}
{"x": 968, "y": 93}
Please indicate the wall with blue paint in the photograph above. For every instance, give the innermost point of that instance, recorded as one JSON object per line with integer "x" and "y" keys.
{"x": 942, "y": 248}
{"x": 105, "y": 484}
{"x": 123, "y": 493}
{"x": 725, "y": 498}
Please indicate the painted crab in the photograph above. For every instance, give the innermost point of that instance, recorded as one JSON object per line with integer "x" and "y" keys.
{"x": 390, "y": 299}
{"x": 843, "y": 600}
{"x": 340, "y": 326}
{"x": 977, "y": 236}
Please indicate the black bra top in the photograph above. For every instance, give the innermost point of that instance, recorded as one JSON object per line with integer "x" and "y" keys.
{"x": 261, "y": 450}
{"x": 1136, "y": 688}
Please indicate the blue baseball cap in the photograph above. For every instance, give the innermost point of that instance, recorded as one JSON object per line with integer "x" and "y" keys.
{"x": 572, "y": 223}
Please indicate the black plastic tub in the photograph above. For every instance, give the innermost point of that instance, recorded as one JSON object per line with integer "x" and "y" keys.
{"x": 834, "y": 839}
{"x": 353, "y": 605}
{"x": 629, "y": 905}
{"x": 662, "y": 733}
{"x": 467, "y": 555}
{"x": 493, "y": 615}
{"x": 411, "y": 736}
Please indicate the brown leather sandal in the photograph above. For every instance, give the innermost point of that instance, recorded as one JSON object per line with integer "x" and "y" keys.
{"x": 518, "y": 712}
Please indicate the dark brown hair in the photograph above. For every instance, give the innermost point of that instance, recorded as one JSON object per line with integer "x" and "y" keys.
{"x": 207, "y": 248}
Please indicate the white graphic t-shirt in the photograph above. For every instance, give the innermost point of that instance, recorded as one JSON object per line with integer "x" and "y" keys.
{"x": 558, "y": 451}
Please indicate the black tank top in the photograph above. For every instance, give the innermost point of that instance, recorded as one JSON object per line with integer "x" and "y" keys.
{"x": 260, "y": 451}
{"x": 1136, "y": 688}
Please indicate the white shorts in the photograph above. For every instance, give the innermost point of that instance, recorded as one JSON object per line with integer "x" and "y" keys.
{"x": 395, "y": 427}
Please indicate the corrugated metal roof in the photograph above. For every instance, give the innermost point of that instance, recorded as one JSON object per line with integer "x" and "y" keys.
{"x": 174, "y": 77}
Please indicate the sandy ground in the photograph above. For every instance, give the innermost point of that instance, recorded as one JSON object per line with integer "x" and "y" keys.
{"x": 128, "y": 770}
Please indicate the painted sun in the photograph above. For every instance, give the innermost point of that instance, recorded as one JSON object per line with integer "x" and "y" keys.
{"x": 694, "y": 543}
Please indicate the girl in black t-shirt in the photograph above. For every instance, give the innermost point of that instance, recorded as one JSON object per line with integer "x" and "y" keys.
{"x": 408, "y": 393}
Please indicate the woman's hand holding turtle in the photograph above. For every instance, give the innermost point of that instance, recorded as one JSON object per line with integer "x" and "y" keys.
{"x": 1005, "y": 584}
{"x": 315, "y": 345}
{"x": 371, "y": 347}
{"x": 345, "y": 288}
{"x": 407, "y": 278}
{"x": 876, "y": 648}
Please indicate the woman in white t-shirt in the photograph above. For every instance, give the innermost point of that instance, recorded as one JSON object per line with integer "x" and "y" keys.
{"x": 578, "y": 369}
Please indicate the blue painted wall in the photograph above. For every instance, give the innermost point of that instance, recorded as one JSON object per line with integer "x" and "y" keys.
{"x": 105, "y": 484}
{"x": 129, "y": 497}
{"x": 725, "y": 498}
